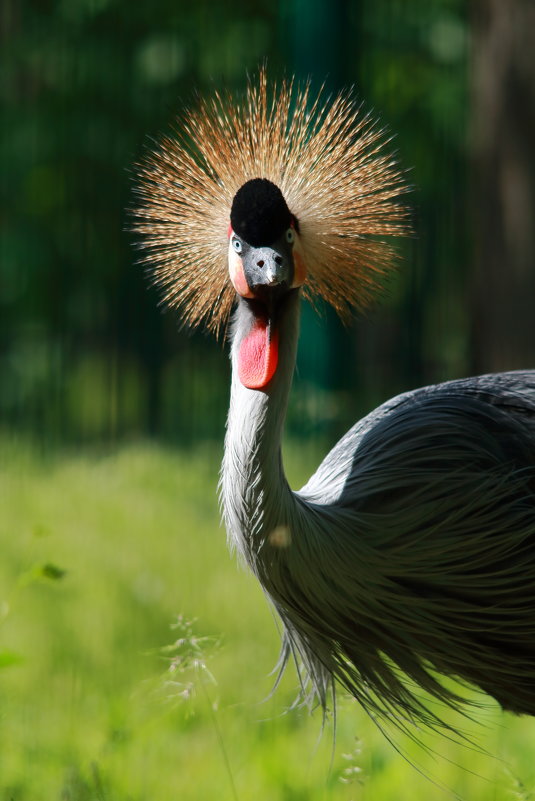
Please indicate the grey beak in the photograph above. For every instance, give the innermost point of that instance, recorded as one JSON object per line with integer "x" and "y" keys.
{"x": 266, "y": 266}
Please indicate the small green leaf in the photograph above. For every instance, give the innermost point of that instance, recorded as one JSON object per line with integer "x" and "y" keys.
{"x": 52, "y": 572}
{"x": 9, "y": 658}
{"x": 47, "y": 571}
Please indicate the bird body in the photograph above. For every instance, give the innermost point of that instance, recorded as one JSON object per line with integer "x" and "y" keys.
{"x": 409, "y": 552}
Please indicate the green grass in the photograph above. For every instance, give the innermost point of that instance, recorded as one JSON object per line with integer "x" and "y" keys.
{"x": 94, "y": 708}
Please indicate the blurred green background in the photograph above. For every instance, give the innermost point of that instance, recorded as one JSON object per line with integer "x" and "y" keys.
{"x": 106, "y": 540}
{"x": 86, "y": 353}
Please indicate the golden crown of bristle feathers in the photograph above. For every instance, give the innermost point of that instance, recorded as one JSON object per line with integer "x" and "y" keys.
{"x": 327, "y": 158}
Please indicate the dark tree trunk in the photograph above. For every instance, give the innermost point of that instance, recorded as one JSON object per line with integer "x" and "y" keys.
{"x": 503, "y": 137}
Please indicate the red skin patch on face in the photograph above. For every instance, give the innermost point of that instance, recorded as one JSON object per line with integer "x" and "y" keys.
{"x": 237, "y": 276}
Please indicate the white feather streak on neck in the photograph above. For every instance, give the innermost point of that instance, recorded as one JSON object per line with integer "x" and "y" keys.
{"x": 255, "y": 495}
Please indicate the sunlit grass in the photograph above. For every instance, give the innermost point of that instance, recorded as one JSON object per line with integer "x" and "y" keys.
{"x": 101, "y": 555}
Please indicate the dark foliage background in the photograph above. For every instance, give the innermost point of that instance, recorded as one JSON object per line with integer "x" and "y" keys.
{"x": 85, "y": 352}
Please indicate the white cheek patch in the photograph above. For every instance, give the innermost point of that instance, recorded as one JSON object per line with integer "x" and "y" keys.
{"x": 237, "y": 276}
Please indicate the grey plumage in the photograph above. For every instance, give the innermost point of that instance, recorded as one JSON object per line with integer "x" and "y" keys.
{"x": 409, "y": 551}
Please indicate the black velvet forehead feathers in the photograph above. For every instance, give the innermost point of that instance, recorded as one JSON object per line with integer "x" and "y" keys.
{"x": 259, "y": 212}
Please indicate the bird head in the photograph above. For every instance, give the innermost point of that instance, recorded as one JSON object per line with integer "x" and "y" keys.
{"x": 254, "y": 197}
{"x": 265, "y": 261}
{"x": 264, "y": 253}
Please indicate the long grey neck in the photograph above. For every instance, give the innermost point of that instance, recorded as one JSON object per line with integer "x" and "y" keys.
{"x": 256, "y": 498}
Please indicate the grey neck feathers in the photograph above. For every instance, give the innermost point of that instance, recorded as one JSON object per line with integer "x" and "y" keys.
{"x": 257, "y": 501}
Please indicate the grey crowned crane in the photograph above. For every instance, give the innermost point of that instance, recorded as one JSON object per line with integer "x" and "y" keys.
{"x": 410, "y": 552}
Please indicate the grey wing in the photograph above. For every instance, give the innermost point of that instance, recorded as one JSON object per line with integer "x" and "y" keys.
{"x": 430, "y": 503}
{"x": 499, "y": 406}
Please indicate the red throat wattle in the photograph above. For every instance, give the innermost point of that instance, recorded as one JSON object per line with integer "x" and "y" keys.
{"x": 258, "y": 354}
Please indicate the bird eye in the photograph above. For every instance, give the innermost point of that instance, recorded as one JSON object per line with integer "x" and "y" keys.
{"x": 290, "y": 236}
{"x": 236, "y": 244}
